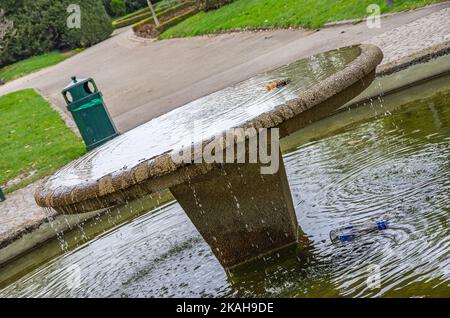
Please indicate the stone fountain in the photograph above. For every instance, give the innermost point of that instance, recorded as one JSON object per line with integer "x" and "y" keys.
{"x": 241, "y": 212}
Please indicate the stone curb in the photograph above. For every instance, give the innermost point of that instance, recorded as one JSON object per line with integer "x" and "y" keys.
{"x": 133, "y": 37}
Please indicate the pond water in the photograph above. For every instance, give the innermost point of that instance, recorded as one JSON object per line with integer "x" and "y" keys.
{"x": 387, "y": 159}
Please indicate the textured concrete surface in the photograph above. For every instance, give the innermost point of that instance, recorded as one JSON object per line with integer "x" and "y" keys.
{"x": 143, "y": 79}
{"x": 407, "y": 39}
{"x": 19, "y": 214}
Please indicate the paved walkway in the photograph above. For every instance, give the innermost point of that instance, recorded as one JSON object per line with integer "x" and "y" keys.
{"x": 20, "y": 214}
{"x": 142, "y": 80}
{"x": 415, "y": 36}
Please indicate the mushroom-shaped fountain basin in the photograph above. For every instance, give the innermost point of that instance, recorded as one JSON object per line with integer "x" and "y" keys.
{"x": 143, "y": 161}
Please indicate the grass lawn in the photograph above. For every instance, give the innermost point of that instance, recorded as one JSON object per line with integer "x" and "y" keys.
{"x": 34, "y": 139}
{"x": 33, "y": 64}
{"x": 282, "y": 14}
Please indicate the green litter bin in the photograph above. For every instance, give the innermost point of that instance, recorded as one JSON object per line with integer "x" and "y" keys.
{"x": 85, "y": 103}
{"x": 2, "y": 196}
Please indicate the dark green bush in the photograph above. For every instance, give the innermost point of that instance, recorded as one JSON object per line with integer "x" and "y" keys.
{"x": 108, "y": 8}
{"x": 131, "y": 20}
{"x": 133, "y": 5}
{"x": 40, "y": 26}
{"x": 124, "y": 6}
{"x": 145, "y": 13}
{"x": 118, "y": 8}
{"x": 161, "y": 13}
{"x": 167, "y": 3}
{"x": 133, "y": 14}
{"x": 207, "y": 5}
{"x": 176, "y": 20}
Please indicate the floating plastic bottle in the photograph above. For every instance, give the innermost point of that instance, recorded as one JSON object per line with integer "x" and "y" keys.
{"x": 349, "y": 233}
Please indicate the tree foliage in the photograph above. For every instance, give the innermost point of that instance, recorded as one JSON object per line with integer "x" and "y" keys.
{"x": 40, "y": 26}
{"x": 118, "y": 8}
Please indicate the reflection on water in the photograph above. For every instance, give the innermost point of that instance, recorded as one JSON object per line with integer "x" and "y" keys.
{"x": 393, "y": 165}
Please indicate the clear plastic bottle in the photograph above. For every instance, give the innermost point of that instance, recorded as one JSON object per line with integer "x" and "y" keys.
{"x": 349, "y": 233}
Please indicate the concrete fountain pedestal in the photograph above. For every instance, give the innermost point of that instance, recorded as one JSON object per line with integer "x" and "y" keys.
{"x": 241, "y": 212}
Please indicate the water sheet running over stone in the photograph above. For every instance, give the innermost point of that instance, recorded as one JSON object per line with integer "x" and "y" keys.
{"x": 142, "y": 161}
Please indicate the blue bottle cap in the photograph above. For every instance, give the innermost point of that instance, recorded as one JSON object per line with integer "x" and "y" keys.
{"x": 382, "y": 225}
{"x": 346, "y": 237}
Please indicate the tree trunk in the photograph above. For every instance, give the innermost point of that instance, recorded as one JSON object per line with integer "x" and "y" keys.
{"x": 153, "y": 12}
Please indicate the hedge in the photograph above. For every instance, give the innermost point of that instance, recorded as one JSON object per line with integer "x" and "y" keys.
{"x": 40, "y": 26}
{"x": 129, "y": 6}
{"x": 133, "y": 5}
{"x": 207, "y": 5}
{"x": 118, "y": 8}
{"x": 133, "y": 14}
{"x": 176, "y": 20}
{"x": 137, "y": 16}
{"x": 129, "y": 21}
{"x": 163, "y": 13}
{"x": 134, "y": 17}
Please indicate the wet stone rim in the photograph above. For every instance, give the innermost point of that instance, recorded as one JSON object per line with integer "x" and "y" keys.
{"x": 162, "y": 172}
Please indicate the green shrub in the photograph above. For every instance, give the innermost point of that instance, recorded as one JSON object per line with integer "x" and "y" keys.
{"x": 162, "y": 13}
{"x": 167, "y": 3}
{"x": 118, "y": 8}
{"x": 107, "y": 5}
{"x": 207, "y": 5}
{"x": 133, "y": 5}
{"x": 168, "y": 11}
{"x": 40, "y": 26}
{"x": 133, "y": 14}
{"x": 145, "y": 13}
{"x": 131, "y": 20}
{"x": 174, "y": 21}
{"x": 128, "y": 6}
